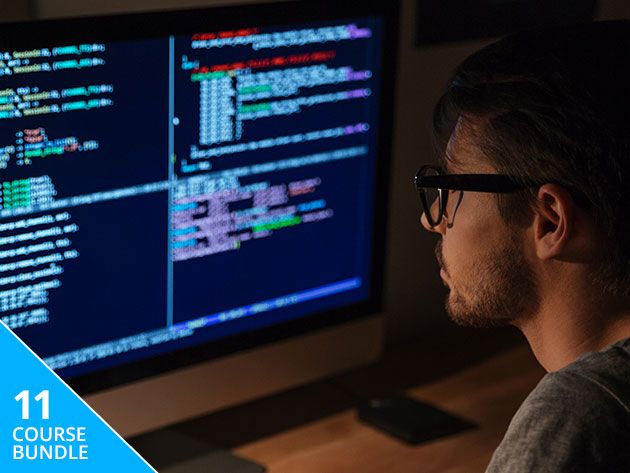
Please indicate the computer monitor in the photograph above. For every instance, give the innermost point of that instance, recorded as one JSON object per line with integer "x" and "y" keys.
{"x": 186, "y": 186}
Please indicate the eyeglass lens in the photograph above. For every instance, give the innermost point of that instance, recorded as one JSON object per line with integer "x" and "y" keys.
{"x": 432, "y": 196}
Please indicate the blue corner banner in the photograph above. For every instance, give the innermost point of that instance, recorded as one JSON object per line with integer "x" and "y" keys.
{"x": 46, "y": 427}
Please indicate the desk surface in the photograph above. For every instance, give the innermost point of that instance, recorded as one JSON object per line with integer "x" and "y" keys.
{"x": 488, "y": 393}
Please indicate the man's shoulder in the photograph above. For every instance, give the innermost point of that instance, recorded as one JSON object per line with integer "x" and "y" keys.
{"x": 601, "y": 377}
{"x": 576, "y": 419}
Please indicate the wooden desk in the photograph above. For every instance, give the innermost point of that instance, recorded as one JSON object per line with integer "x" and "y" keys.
{"x": 488, "y": 393}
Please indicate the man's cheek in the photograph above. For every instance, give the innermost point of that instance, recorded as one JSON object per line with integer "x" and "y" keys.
{"x": 460, "y": 253}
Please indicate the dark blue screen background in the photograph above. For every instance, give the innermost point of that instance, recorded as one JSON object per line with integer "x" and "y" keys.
{"x": 118, "y": 286}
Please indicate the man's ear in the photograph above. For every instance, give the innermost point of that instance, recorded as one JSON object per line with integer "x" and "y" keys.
{"x": 553, "y": 221}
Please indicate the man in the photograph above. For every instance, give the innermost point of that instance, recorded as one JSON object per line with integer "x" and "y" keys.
{"x": 532, "y": 206}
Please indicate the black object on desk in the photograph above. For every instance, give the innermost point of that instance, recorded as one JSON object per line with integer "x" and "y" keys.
{"x": 410, "y": 420}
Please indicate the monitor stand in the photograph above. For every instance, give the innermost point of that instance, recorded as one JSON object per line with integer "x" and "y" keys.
{"x": 170, "y": 451}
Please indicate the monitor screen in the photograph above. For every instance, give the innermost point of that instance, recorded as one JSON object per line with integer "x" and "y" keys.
{"x": 166, "y": 191}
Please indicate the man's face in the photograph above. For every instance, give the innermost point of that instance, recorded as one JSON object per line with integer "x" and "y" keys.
{"x": 482, "y": 259}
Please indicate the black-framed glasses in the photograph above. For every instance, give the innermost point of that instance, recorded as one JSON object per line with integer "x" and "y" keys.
{"x": 434, "y": 187}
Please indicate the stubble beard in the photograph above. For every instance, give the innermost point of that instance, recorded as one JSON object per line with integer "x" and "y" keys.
{"x": 501, "y": 290}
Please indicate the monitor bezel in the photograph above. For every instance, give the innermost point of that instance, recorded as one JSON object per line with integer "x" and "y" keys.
{"x": 185, "y": 21}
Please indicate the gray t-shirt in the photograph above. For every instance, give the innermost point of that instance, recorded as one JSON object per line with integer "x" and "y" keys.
{"x": 577, "y": 419}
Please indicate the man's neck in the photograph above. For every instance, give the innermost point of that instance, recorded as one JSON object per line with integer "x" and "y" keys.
{"x": 568, "y": 325}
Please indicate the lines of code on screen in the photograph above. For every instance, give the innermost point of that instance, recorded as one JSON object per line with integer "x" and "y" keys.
{"x": 157, "y": 194}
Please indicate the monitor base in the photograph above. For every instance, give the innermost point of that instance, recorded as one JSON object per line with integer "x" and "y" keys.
{"x": 170, "y": 451}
